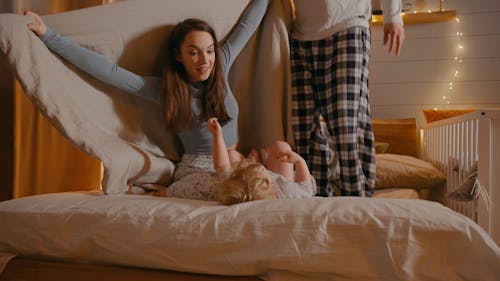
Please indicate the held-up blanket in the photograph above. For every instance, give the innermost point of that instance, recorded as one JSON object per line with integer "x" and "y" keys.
{"x": 125, "y": 132}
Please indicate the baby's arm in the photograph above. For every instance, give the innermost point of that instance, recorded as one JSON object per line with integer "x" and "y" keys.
{"x": 301, "y": 170}
{"x": 219, "y": 149}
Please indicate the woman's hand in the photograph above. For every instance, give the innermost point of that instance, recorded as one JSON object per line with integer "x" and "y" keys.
{"x": 37, "y": 26}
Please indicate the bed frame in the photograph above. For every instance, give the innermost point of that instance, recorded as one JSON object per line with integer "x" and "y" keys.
{"x": 454, "y": 145}
{"x": 400, "y": 134}
{"x": 31, "y": 269}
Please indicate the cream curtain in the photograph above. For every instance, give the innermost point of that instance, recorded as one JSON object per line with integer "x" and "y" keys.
{"x": 44, "y": 161}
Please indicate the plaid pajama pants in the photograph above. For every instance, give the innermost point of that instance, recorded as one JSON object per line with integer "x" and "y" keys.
{"x": 330, "y": 79}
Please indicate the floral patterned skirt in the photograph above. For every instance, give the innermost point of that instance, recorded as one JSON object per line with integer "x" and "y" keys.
{"x": 195, "y": 178}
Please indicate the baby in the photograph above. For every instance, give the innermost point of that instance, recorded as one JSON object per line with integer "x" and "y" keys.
{"x": 282, "y": 173}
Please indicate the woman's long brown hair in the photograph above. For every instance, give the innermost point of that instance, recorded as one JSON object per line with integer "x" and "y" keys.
{"x": 177, "y": 97}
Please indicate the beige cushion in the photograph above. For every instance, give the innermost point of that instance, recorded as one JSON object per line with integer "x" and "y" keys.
{"x": 395, "y": 170}
{"x": 381, "y": 147}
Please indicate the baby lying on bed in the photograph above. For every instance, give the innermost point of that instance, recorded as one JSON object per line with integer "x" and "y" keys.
{"x": 233, "y": 178}
{"x": 247, "y": 179}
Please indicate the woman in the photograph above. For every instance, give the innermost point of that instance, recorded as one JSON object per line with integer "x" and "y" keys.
{"x": 193, "y": 87}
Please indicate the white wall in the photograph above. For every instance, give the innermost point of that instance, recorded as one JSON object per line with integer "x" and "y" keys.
{"x": 419, "y": 78}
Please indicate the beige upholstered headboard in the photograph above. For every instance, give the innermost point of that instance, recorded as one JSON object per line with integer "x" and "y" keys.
{"x": 401, "y": 134}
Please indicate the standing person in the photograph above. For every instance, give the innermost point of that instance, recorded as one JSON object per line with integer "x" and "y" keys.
{"x": 330, "y": 52}
{"x": 282, "y": 173}
{"x": 192, "y": 89}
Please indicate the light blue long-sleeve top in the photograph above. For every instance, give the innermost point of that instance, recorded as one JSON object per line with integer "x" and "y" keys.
{"x": 197, "y": 140}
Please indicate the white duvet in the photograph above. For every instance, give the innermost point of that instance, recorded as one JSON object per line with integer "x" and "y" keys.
{"x": 303, "y": 239}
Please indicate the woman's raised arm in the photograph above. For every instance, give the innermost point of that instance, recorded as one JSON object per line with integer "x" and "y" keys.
{"x": 93, "y": 63}
{"x": 242, "y": 31}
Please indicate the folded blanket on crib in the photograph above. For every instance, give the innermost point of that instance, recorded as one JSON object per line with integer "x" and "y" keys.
{"x": 125, "y": 132}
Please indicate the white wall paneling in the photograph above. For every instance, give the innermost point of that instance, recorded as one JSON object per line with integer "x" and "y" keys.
{"x": 403, "y": 86}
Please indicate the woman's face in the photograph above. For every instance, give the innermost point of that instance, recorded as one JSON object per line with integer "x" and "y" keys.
{"x": 197, "y": 55}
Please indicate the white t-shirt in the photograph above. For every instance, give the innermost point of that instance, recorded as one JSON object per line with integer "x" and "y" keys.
{"x": 288, "y": 189}
{"x": 320, "y": 19}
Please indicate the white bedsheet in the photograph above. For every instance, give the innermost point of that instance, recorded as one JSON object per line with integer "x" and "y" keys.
{"x": 303, "y": 239}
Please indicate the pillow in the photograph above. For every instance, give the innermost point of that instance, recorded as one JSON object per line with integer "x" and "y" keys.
{"x": 381, "y": 147}
{"x": 432, "y": 115}
{"x": 394, "y": 170}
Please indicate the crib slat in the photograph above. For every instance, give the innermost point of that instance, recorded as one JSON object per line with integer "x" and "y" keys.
{"x": 453, "y": 147}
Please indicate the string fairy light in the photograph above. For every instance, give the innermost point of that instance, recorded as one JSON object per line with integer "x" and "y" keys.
{"x": 458, "y": 60}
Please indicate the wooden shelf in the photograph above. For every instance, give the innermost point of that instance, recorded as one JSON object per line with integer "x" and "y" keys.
{"x": 421, "y": 17}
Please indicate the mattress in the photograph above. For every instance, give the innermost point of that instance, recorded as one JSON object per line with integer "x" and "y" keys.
{"x": 316, "y": 239}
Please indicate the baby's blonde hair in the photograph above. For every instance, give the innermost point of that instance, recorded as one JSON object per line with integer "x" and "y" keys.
{"x": 247, "y": 182}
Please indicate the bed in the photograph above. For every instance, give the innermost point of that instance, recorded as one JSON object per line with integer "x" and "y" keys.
{"x": 88, "y": 235}
{"x": 68, "y": 234}
{"x": 117, "y": 236}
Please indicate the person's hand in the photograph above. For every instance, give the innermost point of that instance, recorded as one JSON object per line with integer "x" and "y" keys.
{"x": 37, "y": 26}
{"x": 288, "y": 156}
{"x": 394, "y": 33}
{"x": 214, "y": 127}
{"x": 254, "y": 155}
